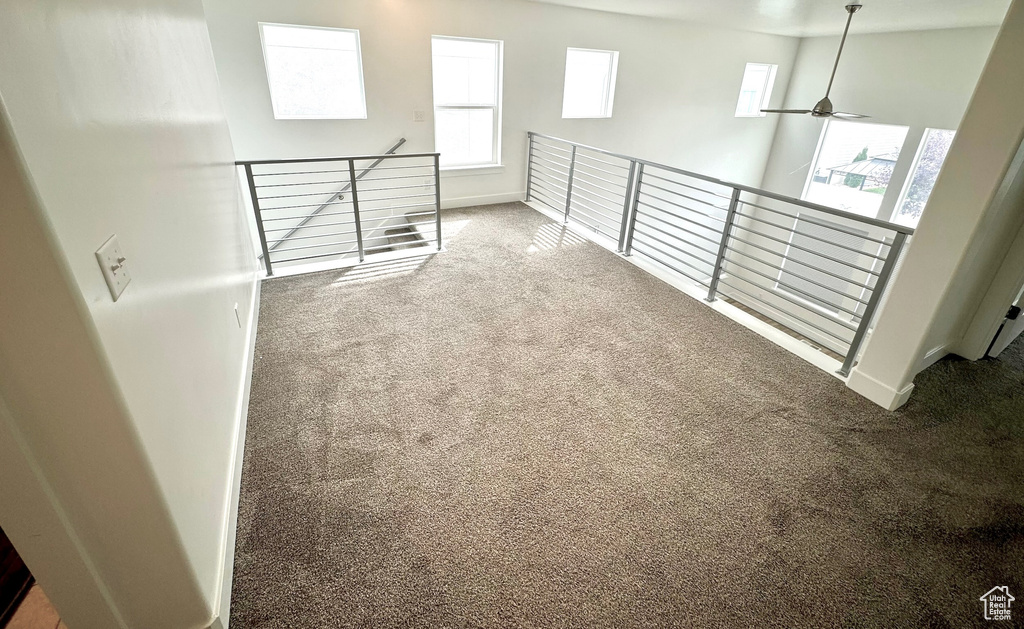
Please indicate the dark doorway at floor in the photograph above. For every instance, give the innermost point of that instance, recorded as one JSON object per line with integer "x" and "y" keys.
{"x": 23, "y": 605}
{"x": 15, "y": 579}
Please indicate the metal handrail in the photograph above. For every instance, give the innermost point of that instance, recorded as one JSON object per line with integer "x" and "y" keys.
{"x": 903, "y": 229}
{"x": 339, "y": 195}
{"x": 578, "y": 189}
{"x": 358, "y": 158}
{"x": 353, "y": 191}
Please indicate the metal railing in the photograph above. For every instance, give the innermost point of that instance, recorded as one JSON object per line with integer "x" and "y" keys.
{"x": 344, "y": 207}
{"x": 818, "y": 271}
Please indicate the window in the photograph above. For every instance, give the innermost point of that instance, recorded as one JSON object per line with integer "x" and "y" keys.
{"x": 467, "y": 101}
{"x": 930, "y": 157}
{"x": 313, "y": 72}
{"x": 853, "y": 165}
{"x": 756, "y": 89}
{"x": 589, "y": 83}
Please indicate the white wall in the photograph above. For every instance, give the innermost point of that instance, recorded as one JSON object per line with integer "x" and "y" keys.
{"x": 129, "y": 411}
{"x": 965, "y": 235}
{"x": 920, "y": 79}
{"x": 675, "y": 96}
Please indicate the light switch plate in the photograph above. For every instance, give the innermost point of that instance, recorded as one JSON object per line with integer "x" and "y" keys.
{"x": 112, "y": 264}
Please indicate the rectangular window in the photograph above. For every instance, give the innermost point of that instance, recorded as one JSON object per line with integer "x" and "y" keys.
{"x": 467, "y": 101}
{"x": 589, "y": 83}
{"x": 929, "y": 160}
{"x": 313, "y": 72}
{"x": 853, "y": 165}
{"x": 756, "y": 89}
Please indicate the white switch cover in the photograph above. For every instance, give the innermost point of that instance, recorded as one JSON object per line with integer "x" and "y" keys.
{"x": 112, "y": 264}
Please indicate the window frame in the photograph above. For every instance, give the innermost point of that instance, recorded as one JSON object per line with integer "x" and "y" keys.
{"x": 270, "y": 80}
{"x": 880, "y": 213}
{"x": 766, "y": 89}
{"x": 608, "y": 99}
{"x": 499, "y": 61}
{"x": 905, "y": 190}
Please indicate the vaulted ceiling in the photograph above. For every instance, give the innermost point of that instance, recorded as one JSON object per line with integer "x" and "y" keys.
{"x": 809, "y": 18}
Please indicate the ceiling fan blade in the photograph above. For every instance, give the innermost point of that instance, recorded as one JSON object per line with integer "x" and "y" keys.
{"x": 786, "y": 111}
{"x": 840, "y": 114}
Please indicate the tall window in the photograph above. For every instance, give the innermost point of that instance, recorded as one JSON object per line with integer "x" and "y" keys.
{"x": 313, "y": 72}
{"x": 589, "y": 83}
{"x": 854, "y": 164}
{"x": 756, "y": 89}
{"x": 930, "y": 157}
{"x": 467, "y": 101}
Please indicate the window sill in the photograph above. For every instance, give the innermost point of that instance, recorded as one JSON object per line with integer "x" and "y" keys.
{"x": 466, "y": 171}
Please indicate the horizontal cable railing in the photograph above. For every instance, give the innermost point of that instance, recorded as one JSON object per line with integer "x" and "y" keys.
{"x": 338, "y": 208}
{"x": 818, "y": 271}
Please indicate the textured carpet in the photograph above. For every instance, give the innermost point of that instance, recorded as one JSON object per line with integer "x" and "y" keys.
{"x": 528, "y": 431}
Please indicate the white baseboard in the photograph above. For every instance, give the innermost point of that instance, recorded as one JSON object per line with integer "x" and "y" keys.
{"x": 878, "y": 392}
{"x": 486, "y": 199}
{"x": 220, "y": 621}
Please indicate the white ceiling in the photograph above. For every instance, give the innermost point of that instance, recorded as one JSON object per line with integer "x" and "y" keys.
{"x": 809, "y": 18}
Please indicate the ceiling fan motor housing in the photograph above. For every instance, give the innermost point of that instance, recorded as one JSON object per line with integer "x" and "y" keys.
{"x": 823, "y": 109}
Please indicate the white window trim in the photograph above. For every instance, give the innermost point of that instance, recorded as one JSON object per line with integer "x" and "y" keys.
{"x": 608, "y": 98}
{"x": 766, "y": 89}
{"x": 498, "y": 82}
{"x": 814, "y": 159}
{"x": 270, "y": 82}
{"x": 913, "y": 171}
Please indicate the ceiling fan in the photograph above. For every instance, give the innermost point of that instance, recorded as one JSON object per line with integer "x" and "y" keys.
{"x": 823, "y": 109}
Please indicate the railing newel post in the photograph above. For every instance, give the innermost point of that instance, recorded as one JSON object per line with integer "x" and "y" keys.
{"x": 259, "y": 219}
{"x": 355, "y": 208}
{"x": 529, "y": 167}
{"x": 568, "y": 188}
{"x": 876, "y": 296}
{"x": 627, "y": 248}
{"x": 730, "y": 216}
{"x": 627, "y": 205}
{"x": 437, "y": 198}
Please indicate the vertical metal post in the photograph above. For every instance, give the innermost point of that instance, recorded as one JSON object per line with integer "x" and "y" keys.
{"x": 437, "y": 198}
{"x": 259, "y": 219}
{"x": 872, "y": 305}
{"x": 628, "y": 247}
{"x": 355, "y": 207}
{"x": 626, "y": 205}
{"x": 734, "y": 203}
{"x": 568, "y": 188}
{"x": 529, "y": 167}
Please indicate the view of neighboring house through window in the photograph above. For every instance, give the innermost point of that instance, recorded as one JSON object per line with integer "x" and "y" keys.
{"x": 467, "y": 101}
{"x": 589, "y": 83}
{"x": 756, "y": 89}
{"x": 929, "y": 160}
{"x": 853, "y": 166}
{"x": 313, "y": 72}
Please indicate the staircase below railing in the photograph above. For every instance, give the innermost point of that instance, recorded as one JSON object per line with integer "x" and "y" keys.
{"x": 818, "y": 271}
{"x": 341, "y": 208}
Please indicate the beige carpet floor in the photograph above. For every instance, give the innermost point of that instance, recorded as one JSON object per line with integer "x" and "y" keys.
{"x": 528, "y": 431}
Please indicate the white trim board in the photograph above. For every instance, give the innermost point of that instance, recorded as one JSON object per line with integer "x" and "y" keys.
{"x": 752, "y": 323}
{"x": 486, "y": 199}
{"x": 220, "y": 621}
{"x": 878, "y": 392}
